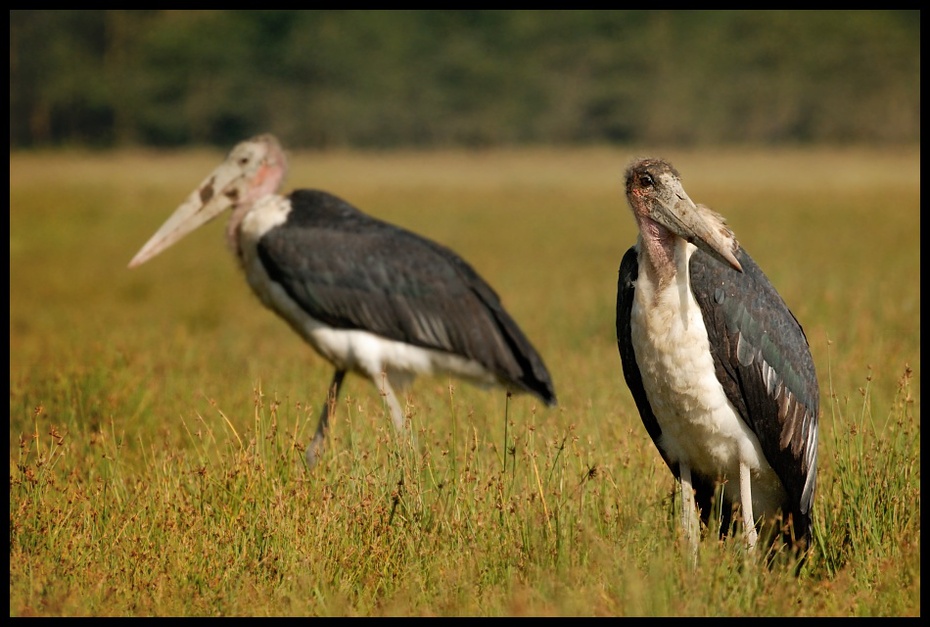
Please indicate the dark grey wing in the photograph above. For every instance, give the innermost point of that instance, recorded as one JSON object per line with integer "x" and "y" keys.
{"x": 352, "y": 271}
{"x": 763, "y": 361}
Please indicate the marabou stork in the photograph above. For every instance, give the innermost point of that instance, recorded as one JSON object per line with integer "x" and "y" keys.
{"x": 368, "y": 296}
{"x": 719, "y": 367}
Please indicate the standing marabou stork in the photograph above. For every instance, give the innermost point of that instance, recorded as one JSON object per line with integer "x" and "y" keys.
{"x": 720, "y": 369}
{"x": 369, "y": 296}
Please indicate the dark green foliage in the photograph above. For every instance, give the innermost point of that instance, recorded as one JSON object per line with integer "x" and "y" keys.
{"x": 466, "y": 78}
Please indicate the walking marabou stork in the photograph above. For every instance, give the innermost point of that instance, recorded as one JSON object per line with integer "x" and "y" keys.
{"x": 369, "y": 296}
{"x": 718, "y": 366}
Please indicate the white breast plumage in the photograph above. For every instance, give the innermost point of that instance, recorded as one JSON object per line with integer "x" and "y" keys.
{"x": 700, "y": 427}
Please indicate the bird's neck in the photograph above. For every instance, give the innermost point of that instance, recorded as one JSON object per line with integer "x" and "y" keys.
{"x": 234, "y": 228}
{"x": 657, "y": 252}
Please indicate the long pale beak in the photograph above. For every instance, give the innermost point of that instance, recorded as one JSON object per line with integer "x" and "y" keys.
{"x": 218, "y": 192}
{"x": 699, "y": 225}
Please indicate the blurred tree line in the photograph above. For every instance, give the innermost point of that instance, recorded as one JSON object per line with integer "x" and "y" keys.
{"x": 444, "y": 78}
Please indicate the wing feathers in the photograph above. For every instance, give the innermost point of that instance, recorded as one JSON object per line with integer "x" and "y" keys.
{"x": 765, "y": 367}
{"x": 352, "y": 271}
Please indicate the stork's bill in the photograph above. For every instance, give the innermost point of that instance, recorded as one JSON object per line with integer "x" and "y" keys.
{"x": 252, "y": 170}
{"x": 665, "y": 202}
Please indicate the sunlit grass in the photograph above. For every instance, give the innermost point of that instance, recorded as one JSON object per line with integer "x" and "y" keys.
{"x": 158, "y": 416}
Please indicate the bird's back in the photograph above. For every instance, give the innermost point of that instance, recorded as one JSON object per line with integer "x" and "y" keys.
{"x": 352, "y": 271}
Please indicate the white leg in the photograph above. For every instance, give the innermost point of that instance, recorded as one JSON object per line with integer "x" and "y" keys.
{"x": 689, "y": 519}
{"x": 745, "y": 495}
{"x": 387, "y": 391}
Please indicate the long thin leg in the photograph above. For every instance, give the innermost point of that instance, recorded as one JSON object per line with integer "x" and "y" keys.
{"x": 689, "y": 518}
{"x": 745, "y": 495}
{"x": 316, "y": 444}
{"x": 387, "y": 391}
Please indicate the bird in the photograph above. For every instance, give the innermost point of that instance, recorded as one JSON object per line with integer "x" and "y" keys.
{"x": 719, "y": 368}
{"x": 369, "y": 296}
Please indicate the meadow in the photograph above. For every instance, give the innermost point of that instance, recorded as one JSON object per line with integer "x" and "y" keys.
{"x": 158, "y": 415}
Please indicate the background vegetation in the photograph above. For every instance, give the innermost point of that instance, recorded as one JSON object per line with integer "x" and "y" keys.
{"x": 474, "y": 78}
{"x": 157, "y": 415}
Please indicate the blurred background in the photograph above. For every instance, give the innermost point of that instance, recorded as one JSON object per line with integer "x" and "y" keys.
{"x": 373, "y": 79}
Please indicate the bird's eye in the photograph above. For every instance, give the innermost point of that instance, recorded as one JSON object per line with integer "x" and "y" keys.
{"x": 243, "y": 160}
{"x": 646, "y": 180}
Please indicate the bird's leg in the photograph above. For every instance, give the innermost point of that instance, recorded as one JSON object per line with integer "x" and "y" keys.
{"x": 315, "y": 448}
{"x": 386, "y": 382}
{"x": 745, "y": 495}
{"x": 383, "y": 383}
{"x": 689, "y": 518}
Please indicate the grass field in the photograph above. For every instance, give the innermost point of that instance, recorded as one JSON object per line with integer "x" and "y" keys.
{"x": 157, "y": 416}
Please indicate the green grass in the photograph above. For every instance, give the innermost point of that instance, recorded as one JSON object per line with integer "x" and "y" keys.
{"x": 158, "y": 416}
